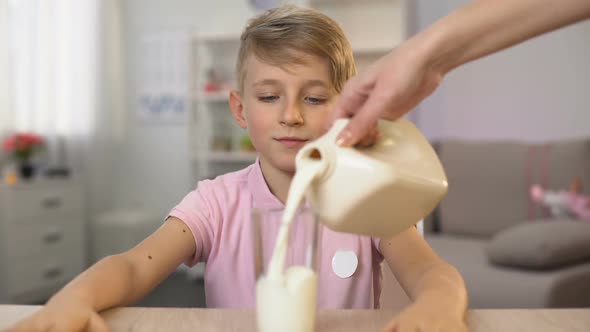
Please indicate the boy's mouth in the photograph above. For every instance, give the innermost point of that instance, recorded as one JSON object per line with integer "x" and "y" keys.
{"x": 291, "y": 142}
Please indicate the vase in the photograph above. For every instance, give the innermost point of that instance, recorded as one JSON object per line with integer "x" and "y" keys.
{"x": 26, "y": 170}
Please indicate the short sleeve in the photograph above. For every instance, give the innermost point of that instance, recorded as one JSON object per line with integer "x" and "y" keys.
{"x": 200, "y": 211}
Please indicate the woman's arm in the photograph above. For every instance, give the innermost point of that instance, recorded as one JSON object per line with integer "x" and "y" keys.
{"x": 400, "y": 80}
{"x": 486, "y": 26}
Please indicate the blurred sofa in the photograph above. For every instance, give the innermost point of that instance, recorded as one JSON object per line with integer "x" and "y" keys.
{"x": 511, "y": 252}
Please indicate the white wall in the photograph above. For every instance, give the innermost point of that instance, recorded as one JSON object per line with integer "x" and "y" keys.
{"x": 535, "y": 91}
{"x": 154, "y": 169}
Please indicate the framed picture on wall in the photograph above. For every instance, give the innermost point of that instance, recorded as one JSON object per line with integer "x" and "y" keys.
{"x": 163, "y": 76}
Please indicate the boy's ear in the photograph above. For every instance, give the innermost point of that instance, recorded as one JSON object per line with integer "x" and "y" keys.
{"x": 237, "y": 108}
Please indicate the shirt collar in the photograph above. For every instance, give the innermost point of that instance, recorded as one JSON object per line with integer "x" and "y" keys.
{"x": 261, "y": 194}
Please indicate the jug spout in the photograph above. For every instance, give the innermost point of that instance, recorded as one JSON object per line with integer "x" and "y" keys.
{"x": 322, "y": 150}
{"x": 316, "y": 153}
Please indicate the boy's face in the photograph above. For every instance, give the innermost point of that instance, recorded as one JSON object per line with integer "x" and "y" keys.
{"x": 284, "y": 107}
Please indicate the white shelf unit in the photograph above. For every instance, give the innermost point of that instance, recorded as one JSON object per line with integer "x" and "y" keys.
{"x": 214, "y": 136}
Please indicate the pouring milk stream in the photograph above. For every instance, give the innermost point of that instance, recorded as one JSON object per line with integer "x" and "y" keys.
{"x": 377, "y": 191}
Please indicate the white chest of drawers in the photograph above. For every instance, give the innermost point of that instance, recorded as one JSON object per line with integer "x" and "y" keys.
{"x": 42, "y": 238}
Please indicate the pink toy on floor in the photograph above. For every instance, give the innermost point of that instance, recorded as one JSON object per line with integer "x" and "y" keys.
{"x": 562, "y": 203}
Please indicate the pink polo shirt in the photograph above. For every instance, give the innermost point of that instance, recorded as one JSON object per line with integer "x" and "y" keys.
{"x": 218, "y": 214}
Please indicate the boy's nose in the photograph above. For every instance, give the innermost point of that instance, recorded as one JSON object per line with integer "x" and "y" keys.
{"x": 291, "y": 115}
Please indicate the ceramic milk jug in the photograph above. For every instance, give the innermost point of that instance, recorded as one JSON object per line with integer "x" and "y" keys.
{"x": 380, "y": 190}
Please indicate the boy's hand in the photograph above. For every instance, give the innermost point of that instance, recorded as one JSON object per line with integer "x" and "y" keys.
{"x": 425, "y": 318}
{"x": 71, "y": 317}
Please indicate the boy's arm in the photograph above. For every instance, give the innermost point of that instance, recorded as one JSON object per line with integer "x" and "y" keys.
{"x": 125, "y": 278}
{"x": 114, "y": 281}
{"x": 436, "y": 288}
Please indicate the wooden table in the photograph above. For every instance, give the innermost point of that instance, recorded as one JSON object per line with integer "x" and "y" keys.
{"x": 204, "y": 320}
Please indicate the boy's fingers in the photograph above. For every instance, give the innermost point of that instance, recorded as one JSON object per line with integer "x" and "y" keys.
{"x": 26, "y": 326}
{"x": 97, "y": 324}
{"x": 391, "y": 327}
{"x": 66, "y": 326}
{"x": 94, "y": 323}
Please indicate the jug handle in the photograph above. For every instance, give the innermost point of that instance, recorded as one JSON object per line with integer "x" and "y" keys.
{"x": 336, "y": 128}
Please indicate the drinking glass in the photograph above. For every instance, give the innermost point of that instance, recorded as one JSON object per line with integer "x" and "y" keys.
{"x": 286, "y": 302}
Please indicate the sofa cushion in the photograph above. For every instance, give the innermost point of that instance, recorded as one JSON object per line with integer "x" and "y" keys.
{"x": 493, "y": 286}
{"x": 488, "y": 189}
{"x": 542, "y": 244}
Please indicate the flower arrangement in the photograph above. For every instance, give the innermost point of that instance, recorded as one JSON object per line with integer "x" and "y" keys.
{"x": 23, "y": 146}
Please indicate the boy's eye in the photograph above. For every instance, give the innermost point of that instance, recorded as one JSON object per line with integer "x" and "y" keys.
{"x": 268, "y": 99}
{"x": 315, "y": 100}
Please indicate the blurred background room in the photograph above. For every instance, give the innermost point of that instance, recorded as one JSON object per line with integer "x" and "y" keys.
{"x": 112, "y": 110}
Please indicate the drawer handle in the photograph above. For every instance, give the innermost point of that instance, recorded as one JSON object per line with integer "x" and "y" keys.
{"x": 51, "y": 203}
{"x": 52, "y": 237}
{"x": 53, "y": 272}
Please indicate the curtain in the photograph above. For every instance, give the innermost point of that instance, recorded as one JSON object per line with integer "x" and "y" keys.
{"x": 54, "y": 69}
{"x": 67, "y": 82}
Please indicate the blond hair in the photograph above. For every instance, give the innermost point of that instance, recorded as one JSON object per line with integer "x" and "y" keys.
{"x": 274, "y": 35}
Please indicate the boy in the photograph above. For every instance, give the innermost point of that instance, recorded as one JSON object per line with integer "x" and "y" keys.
{"x": 292, "y": 65}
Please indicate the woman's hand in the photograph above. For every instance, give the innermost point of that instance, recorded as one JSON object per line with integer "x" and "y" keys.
{"x": 396, "y": 83}
{"x": 388, "y": 89}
